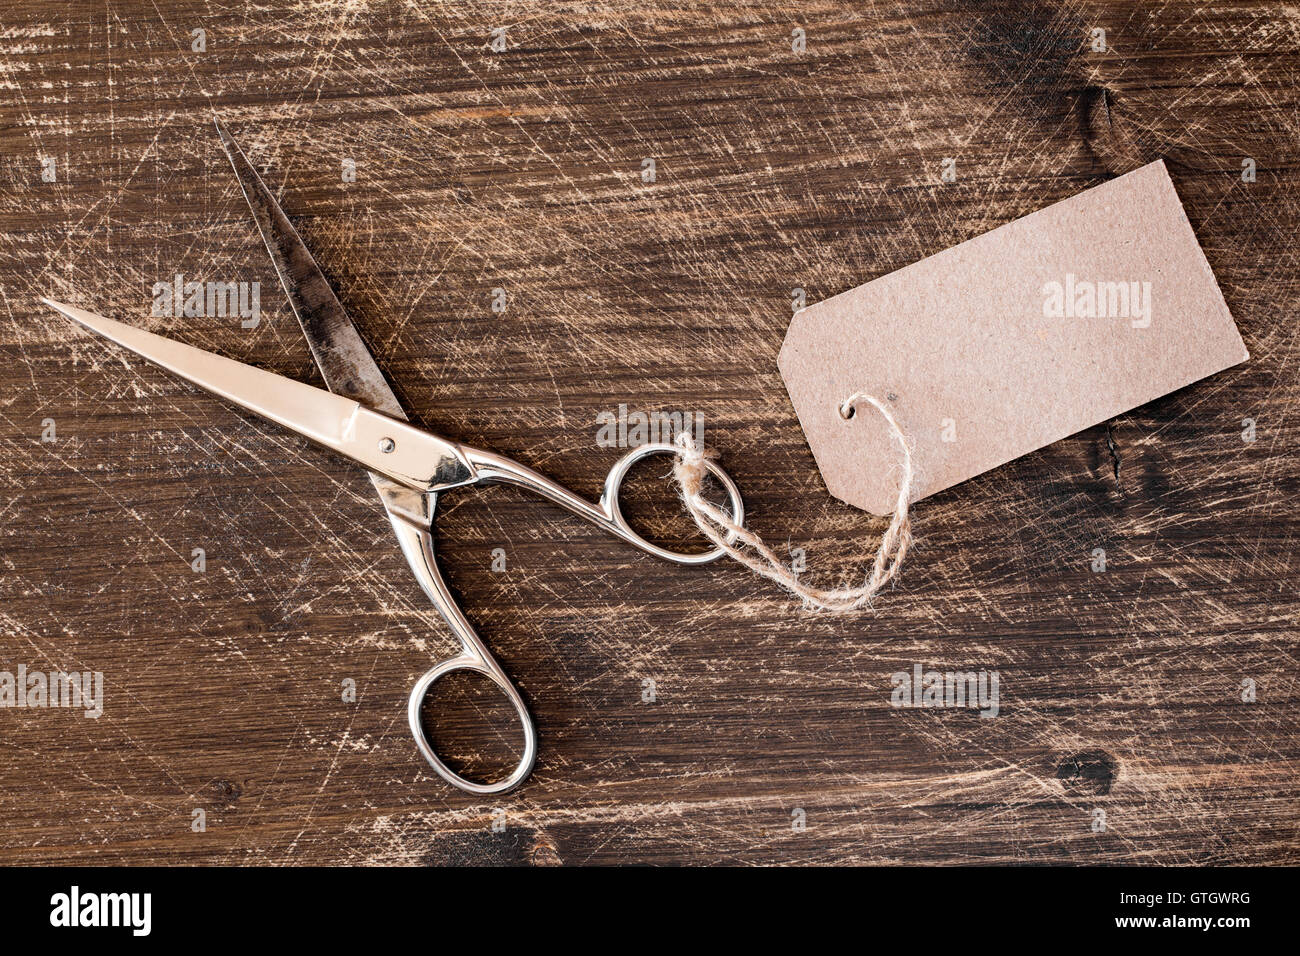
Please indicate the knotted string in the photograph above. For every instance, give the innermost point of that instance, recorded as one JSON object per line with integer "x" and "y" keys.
{"x": 749, "y": 549}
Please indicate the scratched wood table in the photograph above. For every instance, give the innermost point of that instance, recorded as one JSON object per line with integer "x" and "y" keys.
{"x": 536, "y": 217}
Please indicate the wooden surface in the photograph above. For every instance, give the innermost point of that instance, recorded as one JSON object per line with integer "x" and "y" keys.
{"x": 521, "y": 169}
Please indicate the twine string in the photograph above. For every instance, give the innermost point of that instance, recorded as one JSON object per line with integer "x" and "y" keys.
{"x": 748, "y": 548}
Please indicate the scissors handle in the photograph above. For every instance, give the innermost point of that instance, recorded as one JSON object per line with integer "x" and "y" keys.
{"x": 415, "y": 535}
{"x": 607, "y": 513}
{"x": 417, "y": 547}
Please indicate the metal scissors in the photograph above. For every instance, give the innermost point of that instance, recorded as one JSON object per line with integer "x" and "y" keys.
{"x": 361, "y": 419}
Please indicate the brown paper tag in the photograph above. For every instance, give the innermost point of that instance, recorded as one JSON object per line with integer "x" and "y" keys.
{"x": 1011, "y": 341}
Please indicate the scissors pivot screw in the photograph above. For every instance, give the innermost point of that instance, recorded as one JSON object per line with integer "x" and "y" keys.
{"x": 386, "y": 445}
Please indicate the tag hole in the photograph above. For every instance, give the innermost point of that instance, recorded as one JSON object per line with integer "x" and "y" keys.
{"x": 847, "y": 411}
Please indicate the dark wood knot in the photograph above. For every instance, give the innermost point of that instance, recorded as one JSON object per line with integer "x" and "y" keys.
{"x": 226, "y": 792}
{"x": 1088, "y": 773}
{"x": 1107, "y": 135}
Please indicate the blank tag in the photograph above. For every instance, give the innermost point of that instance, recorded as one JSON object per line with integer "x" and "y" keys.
{"x": 1011, "y": 341}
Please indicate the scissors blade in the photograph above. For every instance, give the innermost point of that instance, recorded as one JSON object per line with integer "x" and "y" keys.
{"x": 336, "y": 345}
{"x": 390, "y": 448}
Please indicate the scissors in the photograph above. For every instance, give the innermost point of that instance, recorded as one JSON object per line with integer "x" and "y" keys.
{"x": 361, "y": 419}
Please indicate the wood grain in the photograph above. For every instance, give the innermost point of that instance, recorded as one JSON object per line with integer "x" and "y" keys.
{"x": 521, "y": 170}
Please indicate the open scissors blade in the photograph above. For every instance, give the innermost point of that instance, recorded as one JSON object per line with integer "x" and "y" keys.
{"x": 388, "y": 447}
{"x": 341, "y": 354}
{"x": 345, "y": 362}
